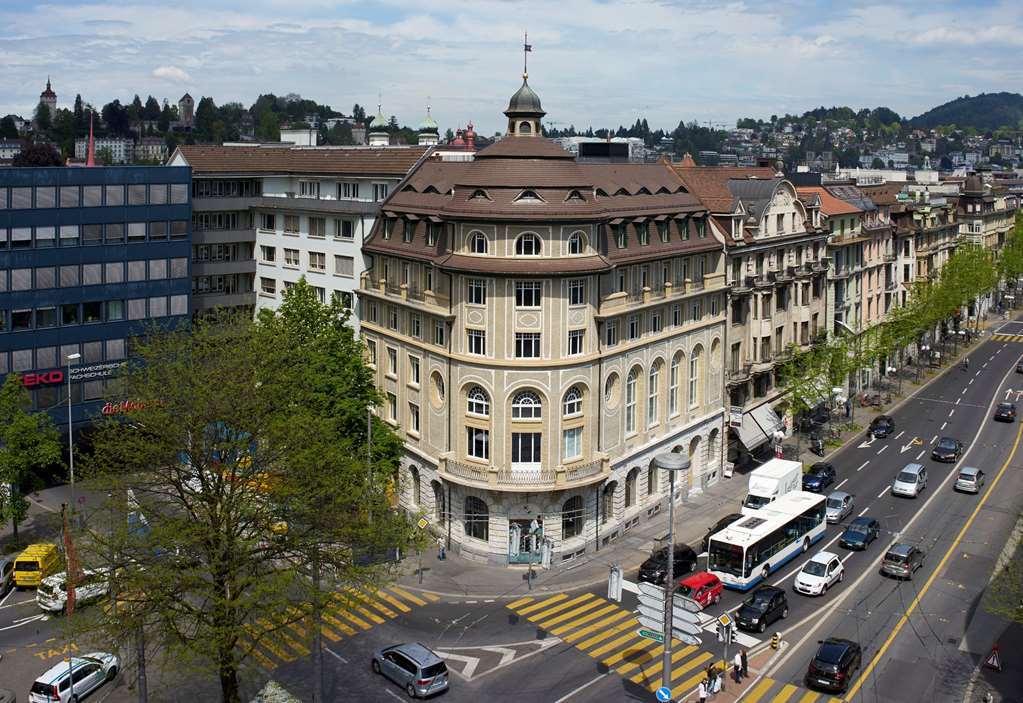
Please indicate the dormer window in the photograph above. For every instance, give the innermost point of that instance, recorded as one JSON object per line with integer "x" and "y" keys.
{"x": 479, "y": 194}
{"x": 701, "y": 229}
{"x": 600, "y": 193}
{"x": 576, "y": 196}
{"x": 621, "y": 191}
{"x": 529, "y": 196}
{"x": 644, "y": 191}
{"x": 527, "y": 245}
{"x": 387, "y": 228}
{"x": 662, "y": 230}
{"x": 431, "y": 189}
{"x": 736, "y": 228}
{"x": 408, "y": 229}
{"x": 643, "y": 232}
{"x": 621, "y": 237}
{"x": 478, "y": 243}
{"x": 432, "y": 232}
{"x": 575, "y": 243}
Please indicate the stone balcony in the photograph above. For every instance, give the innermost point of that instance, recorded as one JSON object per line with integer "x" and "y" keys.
{"x": 561, "y": 477}
{"x": 410, "y": 294}
{"x": 616, "y": 303}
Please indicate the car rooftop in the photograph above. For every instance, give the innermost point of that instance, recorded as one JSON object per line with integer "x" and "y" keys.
{"x": 861, "y": 521}
{"x": 969, "y": 470}
{"x": 420, "y": 652}
{"x": 840, "y": 495}
{"x": 823, "y": 557}
{"x": 900, "y": 549}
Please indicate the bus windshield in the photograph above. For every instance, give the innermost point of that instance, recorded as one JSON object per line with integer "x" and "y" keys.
{"x": 726, "y": 558}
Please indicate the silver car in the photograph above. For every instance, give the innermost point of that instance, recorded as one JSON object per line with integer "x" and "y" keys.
{"x": 910, "y": 481}
{"x": 838, "y": 506}
{"x": 413, "y": 666}
{"x": 6, "y": 575}
{"x": 969, "y": 480}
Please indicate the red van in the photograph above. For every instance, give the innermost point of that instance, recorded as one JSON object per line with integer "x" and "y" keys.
{"x": 703, "y": 587}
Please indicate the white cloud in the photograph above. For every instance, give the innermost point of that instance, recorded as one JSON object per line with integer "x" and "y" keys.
{"x": 172, "y": 74}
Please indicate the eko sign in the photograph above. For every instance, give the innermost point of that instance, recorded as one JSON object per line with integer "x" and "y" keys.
{"x": 78, "y": 373}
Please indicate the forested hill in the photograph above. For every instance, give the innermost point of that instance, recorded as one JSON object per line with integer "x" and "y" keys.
{"x": 984, "y": 112}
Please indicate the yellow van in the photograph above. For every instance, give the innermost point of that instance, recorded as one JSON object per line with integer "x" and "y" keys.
{"x": 36, "y": 563}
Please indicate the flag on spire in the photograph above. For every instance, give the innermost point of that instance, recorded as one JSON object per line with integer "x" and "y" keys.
{"x": 90, "y": 157}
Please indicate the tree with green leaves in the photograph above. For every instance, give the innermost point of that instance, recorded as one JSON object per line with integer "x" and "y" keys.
{"x": 37, "y": 154}
{"x": 29, "y": 444}
{"x": 43, "y": 118}
{"x": 8, "y": 130}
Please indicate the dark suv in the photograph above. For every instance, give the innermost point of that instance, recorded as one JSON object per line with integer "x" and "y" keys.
{"x": 833, "y": 666}
{"x": 882, "y": 426}
{"x": 766, "y": 605}
{"x": 655, "y": 569}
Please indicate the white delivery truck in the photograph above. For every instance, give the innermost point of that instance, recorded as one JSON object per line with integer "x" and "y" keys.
{"x": 770, "y": 481}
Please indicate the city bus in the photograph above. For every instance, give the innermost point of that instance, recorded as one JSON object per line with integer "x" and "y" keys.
{"x": 754, "y": 547}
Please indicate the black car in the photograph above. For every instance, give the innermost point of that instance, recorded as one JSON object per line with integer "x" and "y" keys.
{"x": 1005, "y": 412}
{"x": 1019, "y": 367}
{"x": 764, "y": 606}
{"x": 718, "y": 526}
{"x": 655, "y": 569}
{"x": 820, "y": 476}
{"x": 882, "y": 426}
{"x": 833, "y": 666}
{"x": 860, "y": 533}
{"x": 948, "y": 450}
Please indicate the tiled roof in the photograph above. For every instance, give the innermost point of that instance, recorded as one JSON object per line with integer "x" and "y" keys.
{"x": 711, "y": 183}
{"x": 262, "y": 160}
{"x": 524, "y": 148}
{"x": 830, "y": 205}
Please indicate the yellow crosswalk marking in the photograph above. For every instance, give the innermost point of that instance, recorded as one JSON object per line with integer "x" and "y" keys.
{"x": 280, "y": 633}
{"x": 615, "y": 644}
{"x": 602, "y": 636}
{"x": 696, "y": 662}
{"x": 368, "y": 600}
{"x": 408, "y": 596}
{"x": 684, "y": 687}
{"x": 328, "y": 633}
{"x": 571, "y": 614}
{"x": 784, "y": 694}
{"x": 349, "y": 602}
{"x": 430, "y": 597}
{"x": 394, "y": 601}
{"x": 564, "y": 605}
{"x": 643, "y": 652}
{"x": 338, "y": 624}
{"x": 520, "y": 602}
{"x": 561, "y": 629}
{"x": 541, "y": 604}
{"x": 809, "y": 697}
{"x": 654, "y": 670}
{"x": 759, "y": 690}
{"x": 281, "y": 654}
{"x": 253, "y": 651}
{"x": 359, "y": 622}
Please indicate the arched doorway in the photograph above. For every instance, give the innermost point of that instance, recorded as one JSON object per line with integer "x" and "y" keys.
{"x": 607, "y": 502}
{"x": 694, "y": 459}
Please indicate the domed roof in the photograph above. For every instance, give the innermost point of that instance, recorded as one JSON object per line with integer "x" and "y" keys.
{"x": 379, "y": 122}
{"x": 524, "y": 102}
{"x": 429, "y": 124}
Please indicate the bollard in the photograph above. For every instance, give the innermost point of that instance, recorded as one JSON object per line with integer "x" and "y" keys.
{"x": 775, "y": 640}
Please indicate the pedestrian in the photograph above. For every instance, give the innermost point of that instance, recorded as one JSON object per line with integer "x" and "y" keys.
{"x": 737, "y": 667}
{"x": 701, "y": 691}
{"x": 848, "y": 408}
{"x": 718, "y": 683}
{"x": 441, "y": 550}
{"x": 745, "y": 663}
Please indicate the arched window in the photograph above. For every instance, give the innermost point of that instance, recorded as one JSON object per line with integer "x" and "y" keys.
{"x": 479, "y": 194}
{"x": 575, "y": 243}
{"x": 694, "y": 377}
{"x": 651, "y": 480}
{"x": 527, "y": 245}
{"x": 572, "y": 517}
{"x": 630, "y": 401}
{"x": 573, "y": 402}
{"x": 439, "y": 513}
{"x": 674, "y": 384}
{"x": 607, "y": 502}
{"x": 478, "y": 243}
{"x": 525, "y": 128}
{"x": 694, "y": 456}
{"x": 477, "y": 519}
{"x": 713, "y": 448}
{"x": 478, "y": 401}
{"x": 526, "y": 406}
{"x": 416, "y": 495}
{"x": 630, "y": 487}
{"x": 654, "y": 393}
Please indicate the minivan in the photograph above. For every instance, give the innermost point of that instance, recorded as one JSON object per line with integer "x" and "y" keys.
{"x": 901, "y": 560}
{"x": 35, "y": 563}
{"x": 415, "y": 667}
{"x": 703, "y": 587}
{"x": 72, "y": 679}
{"x": 910, "y": 481}
{"x": 969, "y": 480}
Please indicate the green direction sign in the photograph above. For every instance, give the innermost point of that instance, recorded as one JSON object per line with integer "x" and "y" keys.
{"x": 650, "y": 635}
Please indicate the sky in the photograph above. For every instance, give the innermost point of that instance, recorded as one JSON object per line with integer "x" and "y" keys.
{"x": 594, "y": 63}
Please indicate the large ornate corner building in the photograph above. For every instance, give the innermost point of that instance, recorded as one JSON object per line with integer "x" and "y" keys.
{"x": 540, "y": 328}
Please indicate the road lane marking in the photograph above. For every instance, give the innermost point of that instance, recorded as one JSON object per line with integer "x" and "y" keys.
{"x": 863, "y": 465}
{"x": 943, "y": 426}
{"x": 984, "y": 366}
{"x": 337, "y": 656}
{"x": 579, "y": 634}
{"x": 920, "y": 454}
{"x": 879, "y": 495}
{"x": 934, "y": 439}
{"x": 863, "y": 512}
{"x": 970, "y": 383}
{"x": 836, "y": 488}
{"x": 977, "y": 374}
{"x": 583, "y": 687}
{"x": 951, "y": 412}
{"x": 904, "y": 618}
{"x": 958, "y": 399}
{"x": 882, "y": 449}
{"x": 900, "y": 434}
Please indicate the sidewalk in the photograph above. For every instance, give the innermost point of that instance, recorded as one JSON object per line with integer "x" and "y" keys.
{"x": 1005, "y": 686}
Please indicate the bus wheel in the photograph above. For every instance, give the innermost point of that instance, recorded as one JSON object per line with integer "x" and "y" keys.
{"x": 766, "y": 572}
{"x": 806, "y": 544}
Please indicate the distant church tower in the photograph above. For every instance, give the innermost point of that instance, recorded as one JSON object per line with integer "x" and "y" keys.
{"x": 49, "y": 98}
{"x": 429, "y": 132}
{"x": 378, "y": 134}
{"x": 186, "y": 110}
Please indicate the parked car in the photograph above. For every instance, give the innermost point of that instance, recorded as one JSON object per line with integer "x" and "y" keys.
{"x": 655, "y": 568}
{"x": 35, "y": 563}
{"x": 910, "y": 481}
{"x": 51, "y": 595}
{"x": 901, "y": 560}
{"x": 969, "y": 480}
{"x": 717, "y": 527}
{"x": 838, "y": 506}
{"x": 703, "y": 587}
{"x": 833, "y": 665}
{"x": 820, "y": 476}
{"x": 948, "y": 449}
{"x": 89, "y": 673}
{"x": 882, "y": 426}
{"x": 820, "y": 573}
{"x": 860, "y": 533}
{"x": 764, "y": 606}
{"x": 1005, "y": 412}
{"x": 414, "y": 667}
{"x": 6, "y": 574}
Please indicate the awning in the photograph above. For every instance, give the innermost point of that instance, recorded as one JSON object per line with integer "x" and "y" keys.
{"x": 767, "y": 419}
{"x": 750, "y": 433}
{"x": 388, "y": 213}
{"x": 411, "y": 217}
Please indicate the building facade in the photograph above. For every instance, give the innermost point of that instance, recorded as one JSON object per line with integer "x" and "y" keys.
{"x": 541, "y": 329}
{"x": 121, "y": 149}
{"x": 264, "y": 216}
{"x": 89, "y": 257}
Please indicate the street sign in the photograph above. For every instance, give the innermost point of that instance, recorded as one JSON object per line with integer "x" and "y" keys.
{"x": 684, "y": 616}
{"x": 651, "y": 623}
{"x": 686, "y": 637}
{"x": 725, "y": 620}
{"x": 656, "y": 614}
{"x": 650, "y": 635}
{"x": 663, "y": 694}
{"x": 725, "y": 633}
{"x": 686, "y": 627}
{"x": 423, "y": 523}
{"x": 651, "y": 589}
{"x": 650, "y": 601}
{"x": 680, "y": 602}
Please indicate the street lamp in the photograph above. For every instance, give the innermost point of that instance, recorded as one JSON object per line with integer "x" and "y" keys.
{"x": 672, "y": 463}
{"x": 70, "y": 434}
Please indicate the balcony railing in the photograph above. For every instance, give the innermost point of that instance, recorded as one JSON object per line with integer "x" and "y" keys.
{"x": 740, "y": 374}
{"x": 525, "y": 479}
{"x": 472, "y": 472}
{"x": 581, "y": 471}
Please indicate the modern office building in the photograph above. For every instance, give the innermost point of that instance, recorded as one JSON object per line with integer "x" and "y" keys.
{"x": 89, "y": 258}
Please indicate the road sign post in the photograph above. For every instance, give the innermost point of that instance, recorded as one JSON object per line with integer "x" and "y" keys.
{"x": 725, "y": 624}
{"x": 672, "y": 463}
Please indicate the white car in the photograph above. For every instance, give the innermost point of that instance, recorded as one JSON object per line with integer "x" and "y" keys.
{"x": 51, "y": 595}
{"x": 820, "y": 573}
{"x": 90, "y": 672}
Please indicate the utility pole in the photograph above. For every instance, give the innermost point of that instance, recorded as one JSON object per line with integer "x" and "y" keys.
{"x": 672, "y": 463}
